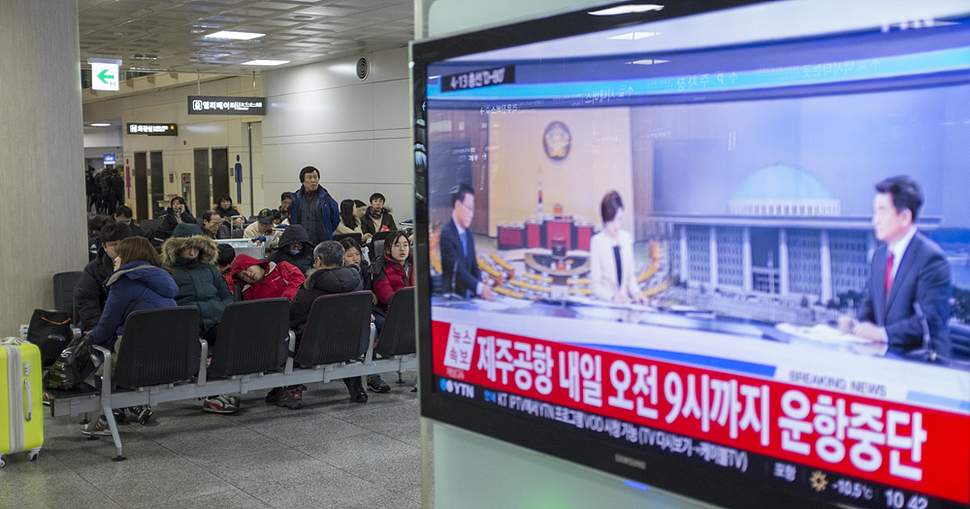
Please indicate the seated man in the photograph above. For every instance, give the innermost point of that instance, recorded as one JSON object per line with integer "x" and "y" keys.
{"x": 377, "y": 218}
{"x": 90, "y": 293}
{"x": 123, "y": 215}
{"x": 213, "y": 226}
{"x": 95, "y": 225}
{"x": 262, "y": 230}
{"x": 327, "y": 277}
{"x": 266, "y": 279}
{"x": 295, "y": 248}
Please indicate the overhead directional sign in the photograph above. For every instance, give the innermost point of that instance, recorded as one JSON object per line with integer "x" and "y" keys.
{"x": 220, "y": 105}
{"x": 104, "y": 76}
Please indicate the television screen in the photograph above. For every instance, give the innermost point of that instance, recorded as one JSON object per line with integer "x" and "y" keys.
{"x": 735, "y": 269}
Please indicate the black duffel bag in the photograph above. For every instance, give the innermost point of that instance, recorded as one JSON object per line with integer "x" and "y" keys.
{"x": 51, "y": 332}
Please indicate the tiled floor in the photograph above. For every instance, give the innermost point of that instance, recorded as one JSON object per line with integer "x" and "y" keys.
{"x": 331, "y": 454}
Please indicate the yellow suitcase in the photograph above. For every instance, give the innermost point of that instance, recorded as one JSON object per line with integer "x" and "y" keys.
{"x": 21, "y": 399}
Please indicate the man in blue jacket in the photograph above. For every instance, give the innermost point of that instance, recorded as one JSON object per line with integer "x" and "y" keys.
{"x": 314, "y": 208}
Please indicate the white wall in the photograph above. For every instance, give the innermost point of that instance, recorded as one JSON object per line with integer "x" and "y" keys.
{"x": 194, "y": 131}
{"x": 356, "y": 132}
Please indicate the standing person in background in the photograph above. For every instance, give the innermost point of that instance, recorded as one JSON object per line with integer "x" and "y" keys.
{"x": 104, "y": 189}
{"x": 138, "y": 282}
{"x": 349, "y": 223}
{"x": 377, "y": 218}
{"x": 90, "y": 188}
{"x": 314, "y": 208}
{"x": 123, "y": 215}
{"x": 612, "y": 267}
{"x": 191, "y": 255}
{"x": 176, "y": 214}
{"x": 117, "y": 189}
{"x": 285, "y": 200}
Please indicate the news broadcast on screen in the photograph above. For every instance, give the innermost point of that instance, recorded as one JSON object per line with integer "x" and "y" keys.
{"x": 743, "y": 261}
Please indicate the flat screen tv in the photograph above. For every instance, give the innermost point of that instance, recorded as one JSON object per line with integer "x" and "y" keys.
{"x": 722, "y": 248}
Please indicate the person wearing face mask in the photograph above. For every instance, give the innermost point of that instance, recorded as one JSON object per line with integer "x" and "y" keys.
{"x": 612, "y": 267}
{"x": 295, "y": 248}
{"x": 123, "y": 215}
{"x": 192, "y": 255}
{"x": 90, "y": 293}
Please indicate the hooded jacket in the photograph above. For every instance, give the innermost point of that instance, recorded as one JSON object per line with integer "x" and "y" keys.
{"x": 294, "y": 234}
{"x": 135, "y": 286}
{"x": 321, "y": 282}
{"x": 200, "y": 283}
{"x": 390, "y": 277}
{"x": 90, "y": 294}
{"x": 280, "y": 280}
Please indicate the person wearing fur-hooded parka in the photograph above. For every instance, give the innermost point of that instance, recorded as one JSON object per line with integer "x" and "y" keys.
{"x": 192, "y": 255}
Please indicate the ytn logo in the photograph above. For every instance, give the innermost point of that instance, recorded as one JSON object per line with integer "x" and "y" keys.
{"x": 459, "y": 388}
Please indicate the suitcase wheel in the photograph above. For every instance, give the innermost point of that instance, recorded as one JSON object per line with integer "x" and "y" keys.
{"x": 3, "y": 462}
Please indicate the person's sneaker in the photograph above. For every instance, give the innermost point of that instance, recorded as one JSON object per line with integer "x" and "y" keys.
{"x": 291, "y": 397}
{"x": 356, "y": 388}
{"x": 221, "y": 404}
{"x": 47, "y": 399}
{"x": 119, "y": 414}
{"x": 376, "y": 384}
{"x": 273, "y": 395}
{"x": 142, "y": 413}
{"x": 98, "y": 428}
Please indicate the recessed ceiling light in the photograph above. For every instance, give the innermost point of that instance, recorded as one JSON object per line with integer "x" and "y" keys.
{"x": 234, "y": 36}
{"x": 100, "y": 124}
{"x": 627, "y": 9}
{"x": 648, "y": 62}
{"x": 266, "y": 62}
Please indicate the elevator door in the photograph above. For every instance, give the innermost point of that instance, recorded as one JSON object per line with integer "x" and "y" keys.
{"x": 220, "y": 172}
{"x": 141, "y": 186}
{"x": 158, "y": 184}
{"x": 203, "y": 201}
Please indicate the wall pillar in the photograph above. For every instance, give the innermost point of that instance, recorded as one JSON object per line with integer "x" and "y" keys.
{"x": 41, "y": 154}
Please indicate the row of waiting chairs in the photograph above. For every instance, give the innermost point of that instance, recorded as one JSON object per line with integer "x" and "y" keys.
{"x": 162, "y": 358}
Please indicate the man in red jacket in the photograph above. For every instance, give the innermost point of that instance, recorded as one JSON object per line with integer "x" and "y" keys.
{"x": 266, "y": 280}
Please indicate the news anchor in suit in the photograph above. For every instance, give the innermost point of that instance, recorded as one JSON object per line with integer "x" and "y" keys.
{"x": 909, "y": 288}
{"x": 459, "y": 266}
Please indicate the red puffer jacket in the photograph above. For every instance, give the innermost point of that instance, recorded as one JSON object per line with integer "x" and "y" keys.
{"x": 281, "y": 279}
{"x": 391, "y": 278}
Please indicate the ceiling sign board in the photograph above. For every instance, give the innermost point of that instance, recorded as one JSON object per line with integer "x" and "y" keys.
{"x": 216, "y": 105}
{"x": 154, "y": 129}
{"x": 104, "y": 76}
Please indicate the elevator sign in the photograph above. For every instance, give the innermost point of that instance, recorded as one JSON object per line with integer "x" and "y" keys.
{"x": 104, "y": 76}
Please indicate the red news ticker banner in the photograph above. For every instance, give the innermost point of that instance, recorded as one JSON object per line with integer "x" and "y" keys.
{"x": 910, "y": 447}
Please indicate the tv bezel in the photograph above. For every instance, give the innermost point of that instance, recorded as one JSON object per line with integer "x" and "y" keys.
{"x": 700, "y": 482}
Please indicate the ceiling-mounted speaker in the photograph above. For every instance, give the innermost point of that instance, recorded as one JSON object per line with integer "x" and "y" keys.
{"x": 362, "y": 68}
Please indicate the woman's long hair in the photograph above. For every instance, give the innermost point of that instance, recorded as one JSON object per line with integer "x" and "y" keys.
{"x": 138, "y": 249}
{"x": 347, "y": 216}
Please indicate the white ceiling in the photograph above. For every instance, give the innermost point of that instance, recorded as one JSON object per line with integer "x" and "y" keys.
{"x": 166, "y": 35}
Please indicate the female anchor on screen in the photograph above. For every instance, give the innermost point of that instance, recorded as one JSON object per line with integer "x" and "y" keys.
{"x": 611, "y": 256}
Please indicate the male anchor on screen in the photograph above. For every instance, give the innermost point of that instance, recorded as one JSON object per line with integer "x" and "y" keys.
{"x": 459, "y": 266}
{"x": 909, "y": 287}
